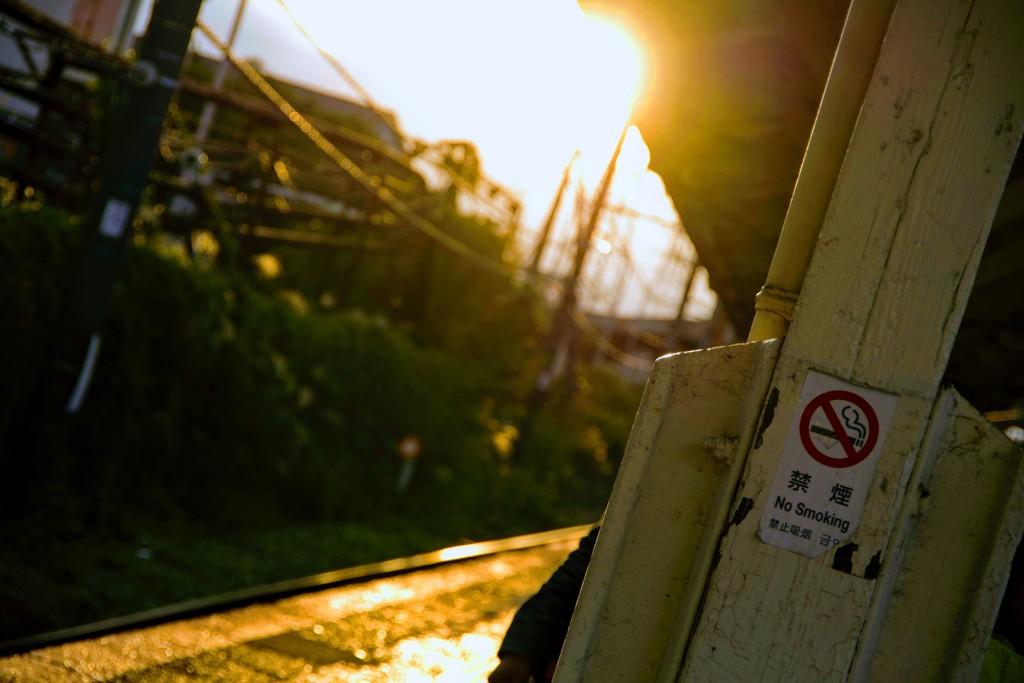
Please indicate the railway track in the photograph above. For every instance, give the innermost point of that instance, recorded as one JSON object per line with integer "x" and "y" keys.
{"x": 355, "y": 621}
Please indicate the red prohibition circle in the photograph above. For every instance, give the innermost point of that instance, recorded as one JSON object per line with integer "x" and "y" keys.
{"x": 824, "y": 401}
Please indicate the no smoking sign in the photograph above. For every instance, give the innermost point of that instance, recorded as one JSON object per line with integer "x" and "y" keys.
{"x": 839, "y": 428}
{"x": 820, "y": 487}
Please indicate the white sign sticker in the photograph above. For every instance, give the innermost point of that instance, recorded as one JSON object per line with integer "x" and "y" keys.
{"x": 115, "y": 216}
{"x": 821, "y": 485}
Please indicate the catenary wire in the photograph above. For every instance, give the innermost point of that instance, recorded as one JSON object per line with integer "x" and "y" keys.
{"x": 384, "y": 115}
{"x": 369, "y": 183}
{"x": 372, "y": 185}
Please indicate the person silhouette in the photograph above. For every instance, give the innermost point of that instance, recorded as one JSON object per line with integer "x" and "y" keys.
{"x": 534, "y": 639}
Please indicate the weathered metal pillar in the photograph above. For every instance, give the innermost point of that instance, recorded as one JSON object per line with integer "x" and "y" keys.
{"x": 819, "y": 508}
{"x": 852, "y": 68}
{"x": 124, "y": 175}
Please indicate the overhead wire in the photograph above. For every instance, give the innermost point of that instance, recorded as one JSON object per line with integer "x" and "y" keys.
{"x": 371, "y": 103}
{"x": 581, "y": 320}
{"x": 646, "y": 337}
{"x": 622, "y": 210}
{"x": 589, "y": 329}
{"x": 400, "y": 156}
{"x": 647, "y": 288}
{"x": 584, "y": 324}
{"x": 342, "y": 71}
{"x": 611, "y": 289}
{"x": 370, "y": 142}
{"x": 372, "y": 185}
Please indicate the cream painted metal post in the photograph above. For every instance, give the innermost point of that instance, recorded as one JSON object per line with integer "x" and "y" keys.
{"x": 681, "y": 587}
{"x": 662, "y": 526}
{"x": 854, "y": 63}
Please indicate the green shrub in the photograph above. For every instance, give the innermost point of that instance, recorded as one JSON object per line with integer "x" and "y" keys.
{"x": 240, "y": 439}
{"x": 215, "y": 399}
{"x": 37, "y": 248}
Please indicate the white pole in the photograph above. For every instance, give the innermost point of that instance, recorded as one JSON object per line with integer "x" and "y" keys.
{"x": 210, "y": 108}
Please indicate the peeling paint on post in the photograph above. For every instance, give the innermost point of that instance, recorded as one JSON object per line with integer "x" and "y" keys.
{"x": 664, "y": 519}
{"x": 879, "y": 310}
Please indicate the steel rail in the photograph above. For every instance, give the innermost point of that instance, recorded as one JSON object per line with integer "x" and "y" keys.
{"x": 291, "y": 587}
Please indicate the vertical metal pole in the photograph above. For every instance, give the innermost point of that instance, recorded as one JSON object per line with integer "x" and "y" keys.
{"x": 583, "y": 248}
{"x": 123, "y": 25}
{"x": 136, "y": 131}
{"x": 210, "y": 108}
{"x": 844, "y": 92}
{"x": 559, "y": 345}
{"x": 686, "y": 289}
{"x": 697, "y": 574}
{"x": 561, "y": 332}
{"x": 545, "y": 231}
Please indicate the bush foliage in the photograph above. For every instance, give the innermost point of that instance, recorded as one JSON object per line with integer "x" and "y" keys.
{"x": 236, "y": 434}
{"x": 216, "y": 399}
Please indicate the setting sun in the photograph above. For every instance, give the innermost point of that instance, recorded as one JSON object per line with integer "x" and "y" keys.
{"x": 618, "y": 62}
{"x": 528, "y": 84}
{"x": 605, "y": 78}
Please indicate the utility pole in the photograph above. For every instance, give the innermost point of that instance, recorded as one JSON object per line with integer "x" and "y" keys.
{"x": 219, "y": 76}
{"x": 686, "y": 289}
{"x": 545, "y": 231}
{"x": 561, "y": 333}
{"x": 139, "y": 108}
{"x": 135, "y": 133}
{"x": 625, "y": 263}
{"x": 584, "y": 239}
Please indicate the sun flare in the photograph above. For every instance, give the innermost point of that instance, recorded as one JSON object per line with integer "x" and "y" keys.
{"x": 528, "y": 83}
{"x": 610, "y": 74}
{"x": 618, "y": 54}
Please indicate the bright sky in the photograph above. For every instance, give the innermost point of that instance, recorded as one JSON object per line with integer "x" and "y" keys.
{"x": 528, "y": 82}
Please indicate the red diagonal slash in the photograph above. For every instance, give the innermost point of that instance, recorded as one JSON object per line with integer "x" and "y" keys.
{"x": 824, "y": 402}
{"x": 837, "y": 427}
